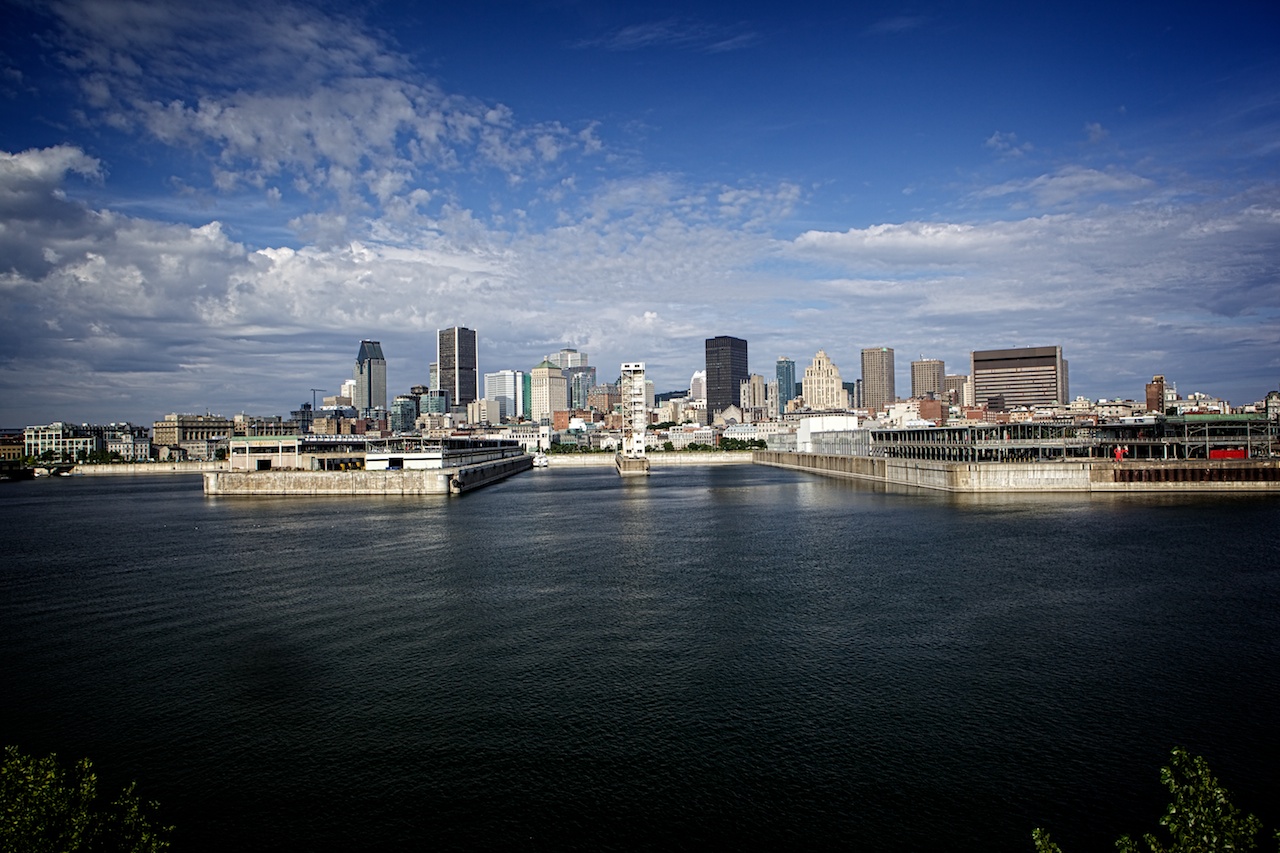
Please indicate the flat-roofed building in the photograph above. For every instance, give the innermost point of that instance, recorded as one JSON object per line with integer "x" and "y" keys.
{"x": 1026, "y": 376}
{"x": 928, "y": 378}
{"x": 458, "y": 365}
{"x": 726, "y": 371}
{"x": 878, "y": 386}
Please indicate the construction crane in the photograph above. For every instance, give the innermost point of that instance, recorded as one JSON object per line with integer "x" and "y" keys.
{"x": 313, "y": 397}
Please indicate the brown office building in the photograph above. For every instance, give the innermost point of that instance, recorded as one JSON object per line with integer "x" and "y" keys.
{"x": 1005, "y": 379}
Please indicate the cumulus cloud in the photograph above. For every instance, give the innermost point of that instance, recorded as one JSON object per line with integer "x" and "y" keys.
{"x": 301, "y": 100}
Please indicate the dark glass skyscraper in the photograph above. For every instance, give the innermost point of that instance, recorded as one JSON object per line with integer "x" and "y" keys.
{"x": 459, "y": 368}
{"x": 726, "y": 371}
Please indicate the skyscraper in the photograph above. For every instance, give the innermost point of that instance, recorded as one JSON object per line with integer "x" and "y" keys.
{"x": 877, "y": 378}
{"x": 459, "y": 367}
{"x": 581, "y": 380}
{"x": 786, "y": 376}
{"x": 506, "y": 388}
{"x": 567, "y": 358}
{"x": 548, "y": 391}
{"x": 928, "y": 376}
{"x": 370, "y": 376}
{"x": 726, "y": 371}
{"x": 698, "y": 385}
{"x": 822, "y": 387}
{"x": 1027, "y": 376}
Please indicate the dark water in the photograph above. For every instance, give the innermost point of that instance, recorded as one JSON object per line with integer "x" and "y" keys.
{"x": 739, "y": 657}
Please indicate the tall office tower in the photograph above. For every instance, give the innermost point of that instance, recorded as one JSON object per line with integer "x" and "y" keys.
{"x": 581, "y": 379}
{"x": 958, "y": 389}
{"x": 877, "y": 378}
{"x": 506, "y": 388}
{"x": 726, "y": 371}
{"x": 567, "y": 358}
{"x": 785, "y": 373}
{"x": 459, "y": 367}
{"x": 698, "y": 385}
{"x": 1155, "y": 394}
{"x": 928, "y": 376}
{"x": 549, "y": 392}
{"x": 433, "y": 376}
{"x": 1027, "y": 376}
{"x": 822, "y": 388}
{"x": 370, "y": 377}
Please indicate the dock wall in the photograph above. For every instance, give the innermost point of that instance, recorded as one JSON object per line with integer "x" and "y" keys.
{"x": 440, "y": 481}
{"x": 1259, "y": 475}
{"x": 656, "y": 460}
{"x": 146, "y": 468}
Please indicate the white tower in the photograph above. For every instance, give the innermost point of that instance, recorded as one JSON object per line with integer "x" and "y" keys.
{"x": 632, "y": 460}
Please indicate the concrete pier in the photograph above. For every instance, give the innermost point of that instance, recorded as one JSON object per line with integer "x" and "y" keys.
{"x": 438, "y": 481}
{"x": 1221, "y": 476}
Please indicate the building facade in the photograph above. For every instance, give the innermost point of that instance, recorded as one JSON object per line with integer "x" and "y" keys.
{"x": 506, "y": 388}
{"x": 567, "y": 358}
{"x": 549, "y": 392}
{"x": 928, "y": 378}
{"x": 785, "y": 374}
{"x": 1027, "y": 376}
{"x": 370, "y": 377}
{"x": 958, "y": 389}
{"x": 726, "y": 371}
{"x": 878, "y": 389}
{"x": 822, "y": 387}
{"x": 458, "y": 365}
{"x": 581, "y": 379}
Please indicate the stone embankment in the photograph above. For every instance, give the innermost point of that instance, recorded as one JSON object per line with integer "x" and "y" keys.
{"x": 438, "y": 481}
{"x": 656, "y": 460}
{"x": 147, "y": 468}
{"x": 1185, "y": 475}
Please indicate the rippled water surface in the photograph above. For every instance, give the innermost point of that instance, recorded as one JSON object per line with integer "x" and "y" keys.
{"x": 736, "y": 656}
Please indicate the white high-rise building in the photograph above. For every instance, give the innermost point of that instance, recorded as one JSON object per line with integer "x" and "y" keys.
{"x": 698, "y": 385}
{"x": 567, "y": 358}
{"x": 506, "y": 388}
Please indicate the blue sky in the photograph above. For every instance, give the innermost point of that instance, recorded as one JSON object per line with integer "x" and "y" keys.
{"x": 205, "y": 206}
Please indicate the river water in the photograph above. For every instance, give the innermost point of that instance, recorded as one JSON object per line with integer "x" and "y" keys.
{"x": 735, "y": 656}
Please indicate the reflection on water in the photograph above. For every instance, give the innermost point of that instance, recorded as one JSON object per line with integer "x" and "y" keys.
{"x": 739, "y": 656}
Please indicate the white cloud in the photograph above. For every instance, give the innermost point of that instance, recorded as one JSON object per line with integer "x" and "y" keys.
{"x": 1070, "y": 183}
{"x": 300, "y": 100}
{"x": 1007, "y": 144}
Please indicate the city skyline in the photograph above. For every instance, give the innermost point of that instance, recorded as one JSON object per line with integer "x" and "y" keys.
{"x": 191, "y": 192}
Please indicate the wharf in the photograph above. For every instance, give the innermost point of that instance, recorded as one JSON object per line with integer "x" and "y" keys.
{"x": 405, "y": 482}
{"x": 1182, "y": 475}
{"x": 660, "y": 459}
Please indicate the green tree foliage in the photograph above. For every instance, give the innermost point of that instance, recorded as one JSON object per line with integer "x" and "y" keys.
{"x": 49, "y": 808}
{"x": 1200, "y": 819}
